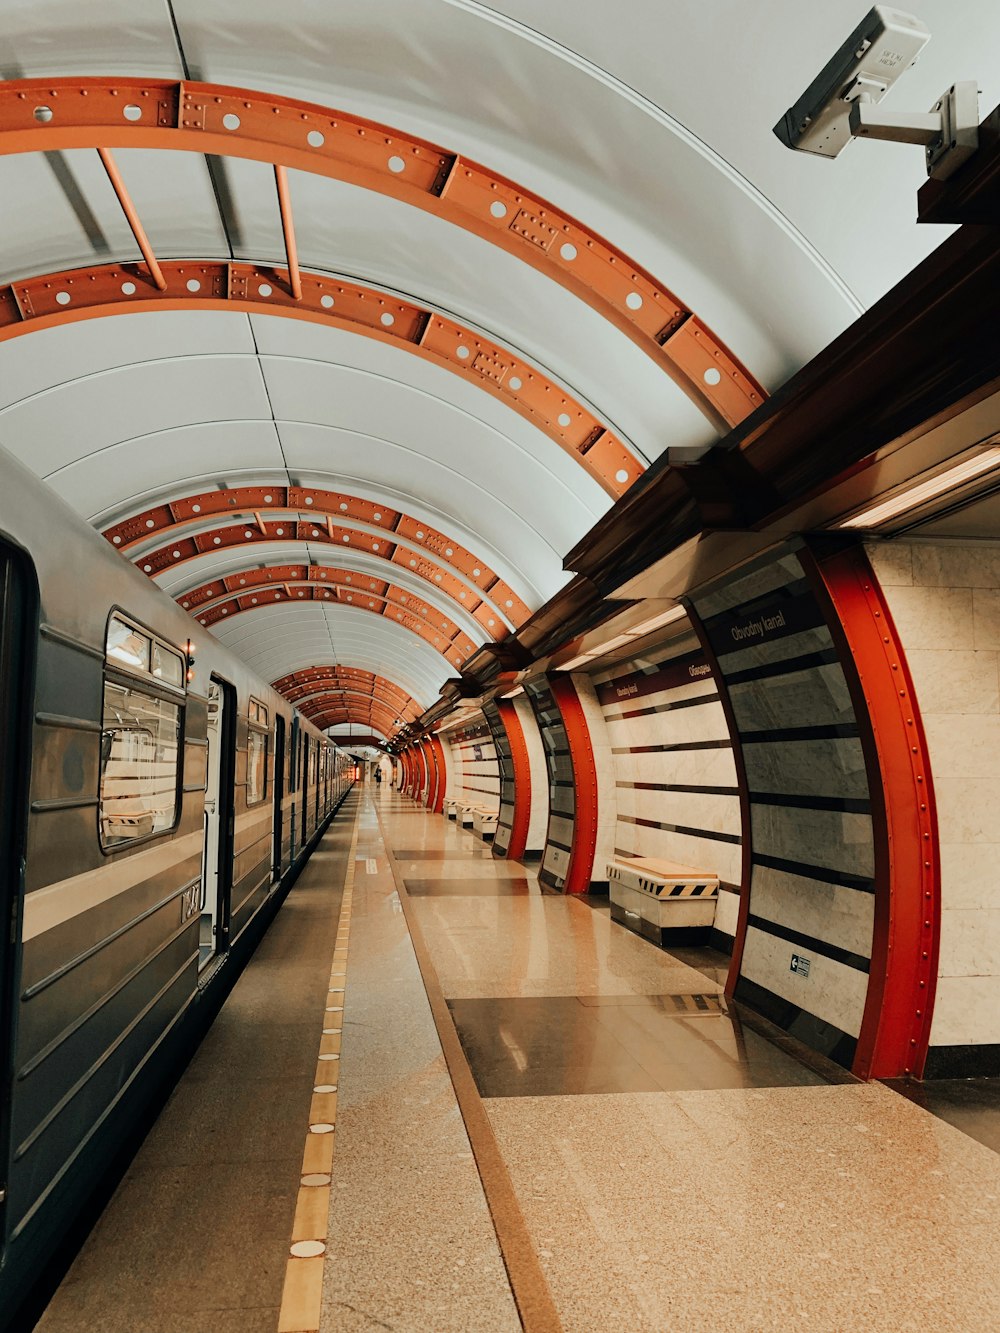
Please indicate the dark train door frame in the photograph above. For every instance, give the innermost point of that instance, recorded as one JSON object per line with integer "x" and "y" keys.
{"x": 18, "y": 601}
{"x": 279, "y": 796}
{"x": 220, "y": 820}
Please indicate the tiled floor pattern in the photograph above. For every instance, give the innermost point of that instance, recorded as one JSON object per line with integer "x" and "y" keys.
{"x": 676, "y": 1169}
{"x": 411, "y": 1245}
{"x": 195, "y": 1239}
{"x": 302, "y": 1293}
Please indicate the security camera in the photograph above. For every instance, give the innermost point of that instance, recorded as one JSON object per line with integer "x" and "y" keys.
{"x": 839, "y": 105}
{"x": 884, "y": 44}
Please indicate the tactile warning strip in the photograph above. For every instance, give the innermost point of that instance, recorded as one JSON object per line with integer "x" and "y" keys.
{"x": 302, "y": 1295}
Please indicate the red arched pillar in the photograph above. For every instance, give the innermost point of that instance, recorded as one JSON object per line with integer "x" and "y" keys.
{"x": 581, "y": 862}
{"x": 521, "y": 817}
{"x": 440, "y": 775}
{"x": 895, "y": 1029}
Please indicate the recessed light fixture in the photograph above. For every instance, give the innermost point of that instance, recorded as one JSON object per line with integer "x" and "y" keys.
{"x": 985, "y": 458}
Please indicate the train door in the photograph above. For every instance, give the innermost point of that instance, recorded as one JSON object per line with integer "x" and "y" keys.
{"x": 279, "y": 795}
{"x": 14, "y": 772}
{"x": 217, "y": 857}
{"x": 305, "y": 789}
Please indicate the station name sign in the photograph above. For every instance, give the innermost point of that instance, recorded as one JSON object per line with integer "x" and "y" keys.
{"x": 641, "y": 684}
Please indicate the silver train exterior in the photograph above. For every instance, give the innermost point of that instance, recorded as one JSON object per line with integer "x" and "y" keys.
{"x": 149, "y": 829}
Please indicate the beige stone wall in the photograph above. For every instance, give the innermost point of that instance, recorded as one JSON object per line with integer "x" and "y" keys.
{"x": 945, "y": 601}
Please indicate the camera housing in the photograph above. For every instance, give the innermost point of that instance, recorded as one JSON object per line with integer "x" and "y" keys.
{"x": 884, "y": 44}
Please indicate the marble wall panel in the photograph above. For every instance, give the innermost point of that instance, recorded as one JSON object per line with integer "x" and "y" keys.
{"x": 970, "y": 942}
{"x": 727, "y": 912}
{"x": 956, "y": 564}
{"x": 969, "y": 875}
{"x": 539, "y": 814}
{"x": 779, "y": 650}
{"x": 832, "y": 991}
{"x": 934, "y": 618}
{"x": 892, "y": 562}
{"x": 764, "y": 578}
{"x": 965, "y": 1011}
{"x": 832, "y": 839}
{"x": 699, "y": 768}
{"x": 840, "y": 916}
{"x": 945, "y": 601}
{"x": 815, "y": 697}
{"x": 986, "y": 618}
{"x": 954, "y": 680}
{"x": 822, "y": 767}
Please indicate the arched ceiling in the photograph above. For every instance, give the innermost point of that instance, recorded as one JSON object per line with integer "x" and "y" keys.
{"x": 610, "y": 255}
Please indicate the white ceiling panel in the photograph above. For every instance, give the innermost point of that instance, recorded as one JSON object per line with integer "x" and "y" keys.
{"x": 366, "y": 404}
{"x": 278, "y": 640}
{"x": 123, "y": 478}
{"x": 82, "y": 417}
{"x": 347, "y": 459}
{"x": 100, "y": 37}
{"x": 32, "y": 363}
{"x": 378, "y": 240}
{"x": 316, "y": 345}
{"x": 655, "y": 130}
{"x": 58, "y": 210}
{"x": 364, "y": 569}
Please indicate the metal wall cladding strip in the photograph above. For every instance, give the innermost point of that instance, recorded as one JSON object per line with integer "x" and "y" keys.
{"x": 46, "y": 953}
{"x": 52, "y": 1011}
{"x": 39, "y": 1169}
{"x": 58, "y": 1051}
{"x": 256, "y": 854}
{"x": 69, "y": 681}
{"x": 248, "y": 908}
{"x": 65, "y": 763}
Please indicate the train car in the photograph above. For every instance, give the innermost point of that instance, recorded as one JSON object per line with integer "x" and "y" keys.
{"x": 156, "y": 802}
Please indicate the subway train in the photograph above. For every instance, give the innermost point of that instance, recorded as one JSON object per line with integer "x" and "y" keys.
{"x": 156, "y": 803}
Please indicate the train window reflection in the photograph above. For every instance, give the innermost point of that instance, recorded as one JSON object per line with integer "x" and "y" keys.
{"x": 140, "y": 754}
{"x": 127, "y": 646}
{"x": 256, "y": 766}
{"x": 167, "y": 665}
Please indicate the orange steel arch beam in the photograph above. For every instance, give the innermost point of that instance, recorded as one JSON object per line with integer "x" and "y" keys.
{"x": 121, "y": 289}
{"x": 390, "y": 607}
{"x": 333, "y": 512}
{"x": 309, "y": 697}
{"x": 336, "y": 716}
{"x": 224, "y": 598}
{"x": 323, "y": 700}
{"x": 40, "y": 115}
{"x": 306, "y": 679}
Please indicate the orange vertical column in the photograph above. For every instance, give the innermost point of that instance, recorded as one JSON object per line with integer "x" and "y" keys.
{"x": 522, "y": 780}
{"x": 895, "y": 1029}
{"x": 441, "y": 775}
{"x": 581, "y": 863}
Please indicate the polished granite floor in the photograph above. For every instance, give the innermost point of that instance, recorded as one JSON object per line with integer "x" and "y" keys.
{"x": 669, "y": 1161}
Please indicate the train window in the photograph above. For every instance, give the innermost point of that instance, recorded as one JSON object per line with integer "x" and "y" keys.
{"x": 258, "y": 740}
{"x": 141, "y": 736}
{"x": 128, "y": 646}
{"x": 167, "y": 665}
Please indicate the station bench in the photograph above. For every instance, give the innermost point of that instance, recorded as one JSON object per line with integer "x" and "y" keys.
{"x": 664, "y": 901}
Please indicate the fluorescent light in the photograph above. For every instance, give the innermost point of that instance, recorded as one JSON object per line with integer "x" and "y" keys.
{"x": 983, "y": 460}
{"x": 579, "y": 661}
{"x": 512, "y": 694}
{"x": 666, "y": 618}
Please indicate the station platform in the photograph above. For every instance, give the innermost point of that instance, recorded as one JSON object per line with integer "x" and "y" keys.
{"x": 441, "y": 1099}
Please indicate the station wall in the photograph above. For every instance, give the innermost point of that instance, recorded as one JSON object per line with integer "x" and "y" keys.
{"x": 677, "y": 797}
{"x": 945, "y": 600}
